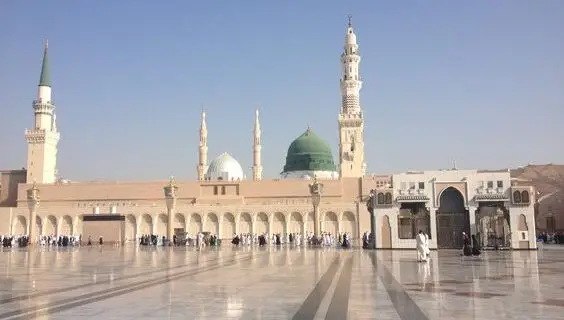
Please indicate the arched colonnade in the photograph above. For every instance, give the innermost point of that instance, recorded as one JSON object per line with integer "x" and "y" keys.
{"x": 226, "y": 224}
{"x": 48, "y": 225}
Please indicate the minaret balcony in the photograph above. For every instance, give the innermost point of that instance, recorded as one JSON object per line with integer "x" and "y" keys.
{"x": 351, "y": 116}
{"x": 41, "y": 101}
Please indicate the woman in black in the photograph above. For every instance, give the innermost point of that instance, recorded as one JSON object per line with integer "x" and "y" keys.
{"x": 466, "y": 248}
{"x": 475, "y": 246}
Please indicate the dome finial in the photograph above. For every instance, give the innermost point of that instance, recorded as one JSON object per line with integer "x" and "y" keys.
{"x": 349, "y": 16}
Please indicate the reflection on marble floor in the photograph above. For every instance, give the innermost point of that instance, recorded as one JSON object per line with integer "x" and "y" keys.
{"x": 277, "y": 283}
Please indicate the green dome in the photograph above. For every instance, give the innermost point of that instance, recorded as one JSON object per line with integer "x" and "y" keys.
{"x": 309, "y": 152}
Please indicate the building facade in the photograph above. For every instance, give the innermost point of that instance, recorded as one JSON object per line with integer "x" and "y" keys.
{"x": 223, "y": 202}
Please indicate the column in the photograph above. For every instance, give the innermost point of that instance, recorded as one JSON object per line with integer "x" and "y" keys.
{"x": 315, "y": 190}
{"x": 472, "y": 216}
{"x": 170, "y": 191}
{"x": 316, "y": 224}
{"x": 33, "y": 204}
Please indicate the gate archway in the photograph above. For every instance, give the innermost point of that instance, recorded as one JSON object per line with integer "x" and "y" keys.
{"x": 452, "y": 219}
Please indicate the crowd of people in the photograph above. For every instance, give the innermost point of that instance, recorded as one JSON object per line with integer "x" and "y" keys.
{"x": 22, "y": 241}
{"x": 206, "y": 239}
{"x": 60, "y": 241}
{"x": 14, "y": 241}
{"x": 552, "y": 237}
{"x": 292, "y": 239}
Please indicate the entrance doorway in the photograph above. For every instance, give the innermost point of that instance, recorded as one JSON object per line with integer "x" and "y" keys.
{"x": 452, "y": 219}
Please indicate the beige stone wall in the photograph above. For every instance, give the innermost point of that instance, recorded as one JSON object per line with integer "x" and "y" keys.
{"x": 5, "y": 218}
{"x": 110, "y": 231}
{"x": 274, "y": 206}
{"x": 9, "y": 181}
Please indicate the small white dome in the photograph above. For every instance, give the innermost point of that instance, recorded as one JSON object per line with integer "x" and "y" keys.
{"x": 224, "y": 167}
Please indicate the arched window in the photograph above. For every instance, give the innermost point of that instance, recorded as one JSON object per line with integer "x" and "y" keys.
{"x": 381, "y": 198}
{"x": 388, "y": 198}
{"x": 525, "y": 196}
{"x": 517, "y": 197}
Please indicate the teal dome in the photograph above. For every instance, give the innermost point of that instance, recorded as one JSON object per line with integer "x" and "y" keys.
{"x": 309, "y": 152}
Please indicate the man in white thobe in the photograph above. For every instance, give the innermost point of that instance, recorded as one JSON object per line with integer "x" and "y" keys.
{"x": 421, "y": 248}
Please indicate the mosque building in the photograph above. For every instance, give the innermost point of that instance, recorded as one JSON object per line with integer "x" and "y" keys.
{"x": 224, "y": 202}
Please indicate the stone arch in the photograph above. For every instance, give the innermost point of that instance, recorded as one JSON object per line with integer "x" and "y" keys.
{"x": 50, "y": 225}
{"x": 19, "y": 226}
{"x": 525, "y": 196}
{"x": 162, "y": 222}
{"x": 388, "y": 198}
{"x": 228, "y": 225}
{"x": 212, "y": 223}
{"x": 452, "y": 218}
{"x": 195, "y": 224}
{"x": 245, "y": 223}
{"x": 516, "y": 196}
{"x": 296, "y": 223}
{"x": 386, "y": 233}
{"x": 146, "y": 224}
{"x": 309, "y": 222}
{"x": 450, "y": 189}
{"x": 38, "y": 226}
{"x": 381, "y": 198}
{"x": 66, "y": 226}
{"x": 522, "y": 223}
{"x": 523, "y": 229}
{"x": 130, "y": 227}
{"x": 262, "y": 223}
{"x": 179, "y": 222}
{"x": 348, "y": 224}
{"x": 278, "y": 223}
{"x": 330, "y": 223}
{"x": 77, "y": 224}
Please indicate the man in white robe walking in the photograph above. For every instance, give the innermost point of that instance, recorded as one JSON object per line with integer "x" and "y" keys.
{"x": 421, "y": 248}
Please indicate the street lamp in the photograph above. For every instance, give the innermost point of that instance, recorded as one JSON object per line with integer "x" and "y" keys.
{"x": 370, "y": 204}
{"x": 32, "y": 204}
{"x": 170, "y": 192}
{"x": 315, "y": 190}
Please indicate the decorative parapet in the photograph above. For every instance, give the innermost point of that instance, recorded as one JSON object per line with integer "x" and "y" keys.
{"x": 412, "y": 198}
{"x": 484, "y": 197}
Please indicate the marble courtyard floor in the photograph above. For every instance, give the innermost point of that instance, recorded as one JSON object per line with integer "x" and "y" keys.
{"x": 277, "y": 283}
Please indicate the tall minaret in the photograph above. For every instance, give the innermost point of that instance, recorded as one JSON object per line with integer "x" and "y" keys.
{"x": 257, "y": 166}
{"x": 43, "y": 138}
{"x": 351, "y": 122}
{"x": 203, "y": 152}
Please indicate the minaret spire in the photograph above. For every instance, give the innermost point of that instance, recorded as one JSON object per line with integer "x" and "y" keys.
{"x": 257, "y": 164}
{"x": 351, "y": 122}
{"x": 44, "y": 137}
{"x": 45, "y": 78}
{"x": 203, "y": 150}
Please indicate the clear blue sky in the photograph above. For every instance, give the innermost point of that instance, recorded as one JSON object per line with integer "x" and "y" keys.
{"x": 481, "y": 82}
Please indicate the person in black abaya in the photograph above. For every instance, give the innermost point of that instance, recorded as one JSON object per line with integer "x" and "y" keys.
{"x": 475, "y": 246}
{"x": 466, "y": 248}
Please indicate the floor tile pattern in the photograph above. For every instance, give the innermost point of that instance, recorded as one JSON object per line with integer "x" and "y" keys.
{"x": 277, "y": 283}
